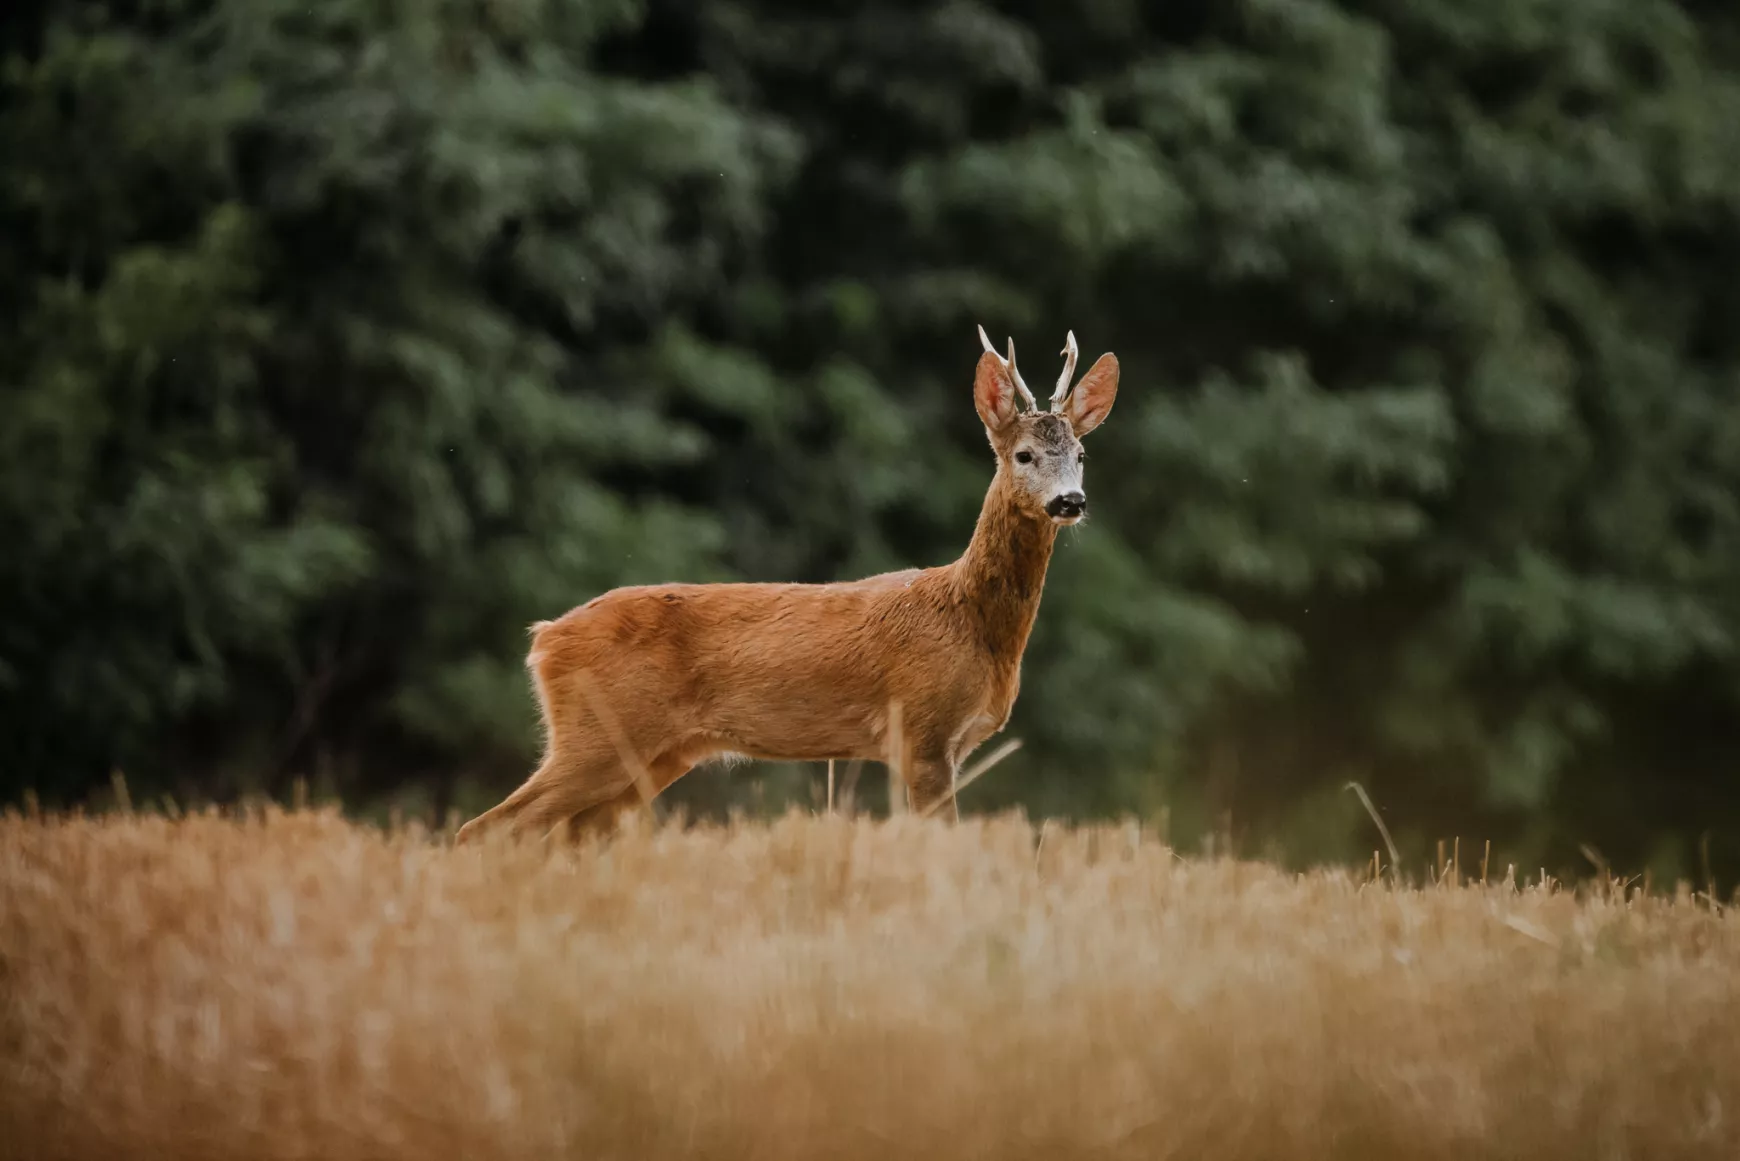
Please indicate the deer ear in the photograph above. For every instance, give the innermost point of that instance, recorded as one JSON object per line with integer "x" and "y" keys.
{"x": 993, "y": 393}
{"x": 1091, "y": 401}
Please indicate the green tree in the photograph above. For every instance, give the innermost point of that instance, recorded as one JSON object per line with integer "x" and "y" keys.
{"x": 328, "y": 328}
{"x": 346, "y": 339}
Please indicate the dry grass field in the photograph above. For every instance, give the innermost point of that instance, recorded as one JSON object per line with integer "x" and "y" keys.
{"x": 292, "y": 985}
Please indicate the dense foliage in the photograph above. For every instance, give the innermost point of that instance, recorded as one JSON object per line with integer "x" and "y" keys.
{"x": 343, "y": 339}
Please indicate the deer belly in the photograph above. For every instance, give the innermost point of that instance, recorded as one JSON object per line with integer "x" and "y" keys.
{"x": 790, "y": 718}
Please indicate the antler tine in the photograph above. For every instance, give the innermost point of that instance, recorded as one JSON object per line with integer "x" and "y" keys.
{"x": 1009, "y": 365}
{"x": 1069, "y": 354}
{"x": 1020, "y": 384}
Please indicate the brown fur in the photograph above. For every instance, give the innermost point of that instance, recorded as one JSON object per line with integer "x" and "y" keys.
{"x": 802, "y": 672}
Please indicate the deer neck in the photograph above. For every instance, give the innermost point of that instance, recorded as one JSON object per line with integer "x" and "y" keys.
{"x": 998, "y": 580}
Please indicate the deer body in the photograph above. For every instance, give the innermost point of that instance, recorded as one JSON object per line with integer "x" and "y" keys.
{"x": 916, "y": 667}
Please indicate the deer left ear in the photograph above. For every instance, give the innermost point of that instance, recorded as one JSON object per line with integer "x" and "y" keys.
{"x": 1091, "y": 401}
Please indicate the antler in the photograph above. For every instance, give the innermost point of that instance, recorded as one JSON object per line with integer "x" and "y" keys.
{"x": 1059, "y": 396}
{"x": 1009, "y": 365}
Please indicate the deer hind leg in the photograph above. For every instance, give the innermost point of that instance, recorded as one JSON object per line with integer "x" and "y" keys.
{"x": 502, "y": 813}
{"x": 585, "y": 784}
{"x": 603, "y": 817}
{"x": 580, "y": 769}
{"x": 596, "y": 725}
{"x": 564, "y": 785}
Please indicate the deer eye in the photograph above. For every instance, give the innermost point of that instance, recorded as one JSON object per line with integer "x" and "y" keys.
{"x": 1081, "y": 457}
{"x": 1023, "y": 457}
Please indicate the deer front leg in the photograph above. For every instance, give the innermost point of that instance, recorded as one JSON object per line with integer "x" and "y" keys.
{"x": 930, "y": 780}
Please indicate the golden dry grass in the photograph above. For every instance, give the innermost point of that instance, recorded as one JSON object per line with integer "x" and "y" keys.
{"x": 296, "y": 986}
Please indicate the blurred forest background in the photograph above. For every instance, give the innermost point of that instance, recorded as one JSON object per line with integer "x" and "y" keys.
{"x": 343, "y": 338}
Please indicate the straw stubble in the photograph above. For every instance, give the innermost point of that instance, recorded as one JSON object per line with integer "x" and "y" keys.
{"x": 296, "y": 986}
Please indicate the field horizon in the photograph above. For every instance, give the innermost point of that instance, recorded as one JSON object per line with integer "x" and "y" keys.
{"x": 289, "y": 983}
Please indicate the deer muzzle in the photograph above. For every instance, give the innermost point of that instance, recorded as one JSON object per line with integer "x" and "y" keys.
{"x": 1070, "y": 507}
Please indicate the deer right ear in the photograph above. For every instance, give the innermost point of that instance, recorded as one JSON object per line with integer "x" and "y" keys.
{"x": 1091, "y": 401}
{"x": 993, "y": 394}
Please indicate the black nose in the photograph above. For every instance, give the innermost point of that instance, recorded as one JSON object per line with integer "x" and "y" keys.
{"x": 1068, "y": 504}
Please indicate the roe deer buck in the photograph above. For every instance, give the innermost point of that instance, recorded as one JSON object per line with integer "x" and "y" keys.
{"x": 645, "y": 682}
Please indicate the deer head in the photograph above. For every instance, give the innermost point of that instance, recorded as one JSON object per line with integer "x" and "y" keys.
{"x": 1039, "y": 452}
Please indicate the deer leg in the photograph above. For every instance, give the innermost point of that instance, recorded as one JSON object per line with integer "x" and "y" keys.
{"x": 930, "y": 780}
{"x": 564, "y": 799}
{"x": 504, "y": 811}
{"x": 582, "y": 769}
{"x": 602, "y": 817}
{"x": 562, "y": 787}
